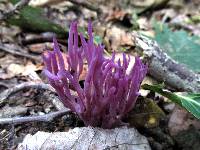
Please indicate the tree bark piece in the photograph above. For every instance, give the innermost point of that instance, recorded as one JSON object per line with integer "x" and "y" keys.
{"x": 87, "y": 138}
{"x": 164, "y": 69}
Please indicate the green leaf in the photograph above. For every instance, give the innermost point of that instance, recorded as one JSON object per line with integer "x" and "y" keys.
{"x": 191, "y": 102}
{"x": 179, "y": 45}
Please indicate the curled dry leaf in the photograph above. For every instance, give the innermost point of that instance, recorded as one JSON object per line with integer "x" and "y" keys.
{"x": 87, "y": 138}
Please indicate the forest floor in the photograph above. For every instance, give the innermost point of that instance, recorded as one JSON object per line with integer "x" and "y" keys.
{"x": 26, "y": 31}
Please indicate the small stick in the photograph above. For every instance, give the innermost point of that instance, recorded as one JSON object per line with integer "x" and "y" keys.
{"x": 17, "y": 52}
{"x": 43, "y": 118}
{"x": 41, "y": 39}
{"x": 16, "y": 8}
{"x": 42, "y": 86}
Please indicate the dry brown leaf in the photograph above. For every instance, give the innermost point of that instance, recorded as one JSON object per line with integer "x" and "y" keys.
{"x": 7, "y": 60}
{"x": 119, "y": 37}
{"x": 19, "y": 69}
{"x": 37, "y": 48}
{"x": 115, "y": 15}
{"x": 15, "y": 69}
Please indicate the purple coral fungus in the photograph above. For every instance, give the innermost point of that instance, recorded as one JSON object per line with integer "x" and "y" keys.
{"x": 109, "y": 91}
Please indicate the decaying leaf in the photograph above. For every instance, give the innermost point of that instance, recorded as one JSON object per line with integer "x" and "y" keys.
{"x": 118, "y": 38}
{"x": 19, "y": 69}
{"x": 180, "y": 120}
{"x": 87, "y": 138}
{"x": 146, "y": 114}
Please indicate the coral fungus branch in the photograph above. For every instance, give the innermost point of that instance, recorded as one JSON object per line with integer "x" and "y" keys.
{"x": 109, "y": 92}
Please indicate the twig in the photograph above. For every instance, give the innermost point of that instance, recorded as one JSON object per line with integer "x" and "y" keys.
{"x": 42, "y": 86}
{"x": 17, "y": 52}
{"x": 17, "y": 7}
{"x": 86, "y": 5}
{"x": 41, "y": 39}
{"x": 163, "y": 68}
{"x": 43, "y": 118}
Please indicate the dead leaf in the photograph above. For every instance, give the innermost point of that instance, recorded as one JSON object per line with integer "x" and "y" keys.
{"x": 180, "y": 120}
{"x": 30, "y": 103}
{"x": 146, "y": 114}
{"x": 20, "y": 69}
{"x": 37, "y": 48}
{"x": 115, "y": 15}
{"x": 119, "y": 37}
{"x": 9, "y": 59}
{"x": 87, "y": 138}
{"x": 15, "y": 69}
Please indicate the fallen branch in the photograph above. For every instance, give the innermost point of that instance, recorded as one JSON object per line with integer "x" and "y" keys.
{"x": 16, "y": 8}
{"x": 165, "y": 69}
{"x": 156, "y": 5}
{"x": 18, "y": 52}
{"x": 41, "y": 86}
{"x": 42, "y": 118}
{"x": 86, "y": 5}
